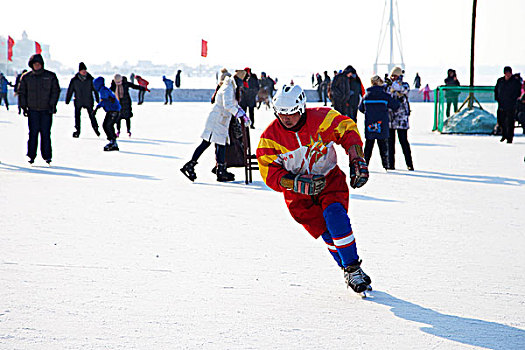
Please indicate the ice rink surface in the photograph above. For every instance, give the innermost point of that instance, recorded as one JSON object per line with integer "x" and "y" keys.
{"x": 120, "y": 251}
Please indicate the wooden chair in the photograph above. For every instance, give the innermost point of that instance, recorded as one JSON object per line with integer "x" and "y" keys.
{"x": 250, "y": 160}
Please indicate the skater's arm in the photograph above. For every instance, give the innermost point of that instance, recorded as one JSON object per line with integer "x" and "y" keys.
{"x": 55, "y": 94}
{"x": 271, "y": 170}
{"x": 136, "y": 87}
{"x": 69, "y": 93}
{"x": 344, "y": 130}
{"x": 95, "y": 92}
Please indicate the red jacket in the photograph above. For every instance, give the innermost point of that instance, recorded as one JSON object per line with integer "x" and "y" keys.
{"x": 142, "y": 82}
{"x": 307, "y": 151}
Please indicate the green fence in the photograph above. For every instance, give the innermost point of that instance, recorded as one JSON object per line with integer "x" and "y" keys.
{"x": 445, "y": 97}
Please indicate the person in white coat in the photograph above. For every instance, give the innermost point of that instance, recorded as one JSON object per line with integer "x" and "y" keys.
{"x": 225, "y": 106}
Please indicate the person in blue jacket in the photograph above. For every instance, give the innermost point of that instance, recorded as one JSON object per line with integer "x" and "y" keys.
{"x": 111, "y": 106}
{"x": 375, "y": 106}
{"x": 169, "y": 88}
{"x": 3, "y": 89}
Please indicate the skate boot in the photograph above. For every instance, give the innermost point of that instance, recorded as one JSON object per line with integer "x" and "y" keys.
{"x": 356, "y": 278}
{"x": 223, "y": 175}
{"x": 76, "y": 134}
{"x": 118, "y": 134}
{"x": 129, "y": 133}
{"x": 189, "y": 170}
{"x": 112, "y": 146}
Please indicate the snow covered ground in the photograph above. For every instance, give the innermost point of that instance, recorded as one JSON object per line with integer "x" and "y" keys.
{"x": 120, "y": 251}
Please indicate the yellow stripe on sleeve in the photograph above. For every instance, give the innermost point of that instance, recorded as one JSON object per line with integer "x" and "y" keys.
{"x": 328, "y": 120}
{"x": 264, "y": 162}
{"x": 267, "y": 143}
{"x": 345, "y": 126}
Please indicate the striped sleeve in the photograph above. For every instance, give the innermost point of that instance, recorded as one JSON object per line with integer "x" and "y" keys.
{"x": 344, "y": 129}
{"x": 271, "y": 170}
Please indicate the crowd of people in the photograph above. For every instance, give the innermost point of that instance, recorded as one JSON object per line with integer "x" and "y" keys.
{"x": 233, "y": 106}
{"x": 296, "y": 154}
{"x": 385, "y": 104}
{"x": 38, "y": 91}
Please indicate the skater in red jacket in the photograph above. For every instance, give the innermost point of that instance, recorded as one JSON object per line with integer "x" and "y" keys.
{"x": 144, "y": 83}
{"x": 297, "y": 157}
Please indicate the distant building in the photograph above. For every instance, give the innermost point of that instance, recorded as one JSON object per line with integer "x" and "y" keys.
{"x": 22, "y": 50}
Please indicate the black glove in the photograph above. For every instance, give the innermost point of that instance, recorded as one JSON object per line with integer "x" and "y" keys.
{"x": 358, "y": 172}
{"x": 308, "y": 184}
{"x": 358, "y": 167}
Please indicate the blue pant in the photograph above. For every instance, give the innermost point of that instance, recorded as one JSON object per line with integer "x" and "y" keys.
{"x": 340, "y": 237}
{"x": 39, "y": 123}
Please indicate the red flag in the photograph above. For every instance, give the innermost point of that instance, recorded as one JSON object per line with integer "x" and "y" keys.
{"x": 10, "y": 44}
{"x": 204, "y": 48}
{"x": 38, "y": 48}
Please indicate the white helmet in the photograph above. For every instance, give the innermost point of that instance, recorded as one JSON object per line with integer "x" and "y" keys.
{"x": 289, "y": 100}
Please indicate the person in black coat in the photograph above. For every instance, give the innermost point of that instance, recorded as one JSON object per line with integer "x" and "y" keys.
{"x": 340, "y": 90}
{"x": 250, "y": 91}
{"x": 375, "y": 106}
{"x": 17, "y": 85}
{"x": 356, "y": 91}
{"x": 38, "y": 95}
{"x": 82, "y": 86}
{"x": 452, "y": 96}
{"x": 506, "y": 93}
{"x": 120, "y": 86}
{"x": 325, "y": 85}
{"x": 417, "y": 81}
{"x": 177, "y": 79}
{"x": 319, "y": 85}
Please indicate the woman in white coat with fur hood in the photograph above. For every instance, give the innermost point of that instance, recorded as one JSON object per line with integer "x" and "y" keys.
{"x": 225, "y": 106}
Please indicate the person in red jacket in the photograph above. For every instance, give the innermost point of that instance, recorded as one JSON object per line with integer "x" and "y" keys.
{"x": 296, "y": 156}
{"x": 144, "y": 83}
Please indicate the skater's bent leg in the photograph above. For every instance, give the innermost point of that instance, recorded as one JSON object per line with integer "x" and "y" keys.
{"x": 108, "y": 125}
{"x": 92, "y": 118}
{"x": 327, "y": 237}
{"x": 200, "y": 150}
{"x": 338, "y": 225}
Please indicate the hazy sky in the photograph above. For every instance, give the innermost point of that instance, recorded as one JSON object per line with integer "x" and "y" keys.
{"x": 271, "y": 35}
